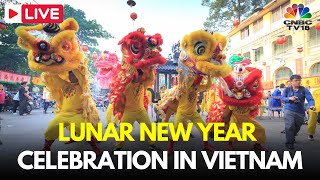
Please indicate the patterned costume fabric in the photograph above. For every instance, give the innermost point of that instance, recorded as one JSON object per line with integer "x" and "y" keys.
{"x": 201, "y": 56}
{"x": 241, "y": 95}
{"x": 141, "y": 53}
{"x": 54, "y": 51}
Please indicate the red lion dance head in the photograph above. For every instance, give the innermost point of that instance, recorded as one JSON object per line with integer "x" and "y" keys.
{"x": 140, "y": 53}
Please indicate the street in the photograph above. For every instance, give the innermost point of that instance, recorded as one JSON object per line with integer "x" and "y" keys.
{"x": 20, "y": 133}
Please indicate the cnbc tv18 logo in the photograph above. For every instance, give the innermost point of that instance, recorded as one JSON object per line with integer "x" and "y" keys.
{"x": 298, "y": 17}
{"x": 34, "y": 13}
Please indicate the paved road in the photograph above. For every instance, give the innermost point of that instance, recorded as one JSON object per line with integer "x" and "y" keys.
{"x": 20, "y": 133}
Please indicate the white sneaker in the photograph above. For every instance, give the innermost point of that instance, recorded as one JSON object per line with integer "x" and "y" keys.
{"x": 15, "y": 113}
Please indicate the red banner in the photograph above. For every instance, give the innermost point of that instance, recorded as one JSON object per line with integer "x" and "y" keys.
{"x": 12, "y": 77}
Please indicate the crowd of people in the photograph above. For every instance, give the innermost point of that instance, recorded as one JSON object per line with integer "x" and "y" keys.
{"x": 24, "y": 100}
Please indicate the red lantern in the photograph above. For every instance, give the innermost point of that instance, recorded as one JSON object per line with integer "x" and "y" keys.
{"x": 84, "y": 47}
{"x": 94, "y": 56}
{"x": 299, "y": 49}
{"x": 133, "y": 16}
{"x": 281, "y": 39}
{"x": 318, "y": 25}
{"x": 236, "y": 23}
{"x": 2, "y": 25}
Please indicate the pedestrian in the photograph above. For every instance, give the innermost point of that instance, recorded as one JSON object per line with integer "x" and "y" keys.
{"x": 35, "y": 90}
{"x": 2, "y": 98}
{"x": 23, "y": 98}
{"x": 46, "y": 101}
{"x": 15, "y": 103}
{"x": 276, "y": 101}
{"x": 294, "y": 112}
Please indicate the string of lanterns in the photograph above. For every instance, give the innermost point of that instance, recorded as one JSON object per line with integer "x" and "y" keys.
{"x": 133, "y": 15}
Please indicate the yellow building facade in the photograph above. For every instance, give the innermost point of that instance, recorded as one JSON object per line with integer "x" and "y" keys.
{"x": 255, "y": 38}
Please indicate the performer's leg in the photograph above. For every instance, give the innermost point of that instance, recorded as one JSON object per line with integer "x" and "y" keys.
{"x": 128, "y": 117}
{"x": 52, "y": 132}
{"x": 178, "y": 119}
{"x": 259, "y": 133}
{"x": 313, "y": 116}
{"x": 196, "y": 118}
{"x": 144, "y": 118}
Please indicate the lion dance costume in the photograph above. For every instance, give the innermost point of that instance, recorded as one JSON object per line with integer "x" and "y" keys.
{"x": 107, "y": 64}
{"x": 241, "y": 95}
{"x": 201, "y": 56}
{"x": 141, "y": 53}
{"x": 54, "y": 51}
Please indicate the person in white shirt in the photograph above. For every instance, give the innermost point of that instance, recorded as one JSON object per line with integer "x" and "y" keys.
{"x": 15, "y": 103}
{"x": 46, "y": 101}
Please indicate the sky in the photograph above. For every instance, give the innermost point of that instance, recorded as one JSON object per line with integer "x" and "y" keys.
{"x": 171, "y": 18}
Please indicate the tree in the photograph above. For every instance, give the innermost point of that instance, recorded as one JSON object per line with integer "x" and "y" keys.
{"x": 174, "y": 55}
{"x": 222, "y": 12}
{"x": 89, "y": 30}
{"x": 14, "y": 59}
{"x": 88, "y": 33}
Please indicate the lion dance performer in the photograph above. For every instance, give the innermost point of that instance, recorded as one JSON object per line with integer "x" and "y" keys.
{"x": 201, "y": 56}
{"x": 54, "y": 51}
{"x": 314, "y": 115}
{"x": 141, "y": 53}
{"x": 241, "y": 96}
{"x": 107, "y": 64}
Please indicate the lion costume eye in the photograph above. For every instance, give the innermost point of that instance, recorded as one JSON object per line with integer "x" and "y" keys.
{"x": 199, "y": 48}
{"x": 135, "y": 47}
{"x": 67, "y": 46}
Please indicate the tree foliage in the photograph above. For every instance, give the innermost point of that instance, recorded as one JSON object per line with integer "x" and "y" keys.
{"x": 223, "y": 12}
{"x": 14, "y": 59}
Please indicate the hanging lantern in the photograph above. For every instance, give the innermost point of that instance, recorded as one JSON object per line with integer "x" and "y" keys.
{"x": 133, "y": 16}
{"x": 131, "y": 3}
{"x": 2, "y": 25}
{"x": 94, "y": 56}
{"x": 84, "y": 47}
{"x": 318, "y": 25}
{"x": 299, "y": 49}
{"x": 281, "y": 39}
{"x": 236, "y": 23}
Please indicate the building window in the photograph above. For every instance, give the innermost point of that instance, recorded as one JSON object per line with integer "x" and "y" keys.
{"x": 246, "y": 55}
{"x": 315, "y": 70}
{"x": 245, "y": 33}
{"x": 314, "y": 37}
{"x": 283, "y": 73}
{"x": 278, "y": 13}
{"x": 257, "y": 25}
{"x": 283, "y": 48}
{"x": 258, "y": 55}
{"x": 306, "y": 2}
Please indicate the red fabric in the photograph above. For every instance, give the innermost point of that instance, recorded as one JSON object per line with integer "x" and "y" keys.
{"x": 2, "y": 97}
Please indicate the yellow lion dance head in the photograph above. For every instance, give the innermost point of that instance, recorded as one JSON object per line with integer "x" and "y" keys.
{"x": 202, "y": 52}
{"x": 52, "y": 48}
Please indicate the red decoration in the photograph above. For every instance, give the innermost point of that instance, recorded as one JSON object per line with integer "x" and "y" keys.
{"x": 133, "y": 16}
{"x": 84, "y": 47}
{"x": 300, "y": 49}
{"x": 2, "y": 25}
{"x": 318, "y": 25}
{"x": 236, "y": 23}
{"x": 94, "y": 56}
{"x": 13, "y": 77}
{"x": 281, "y": 39}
